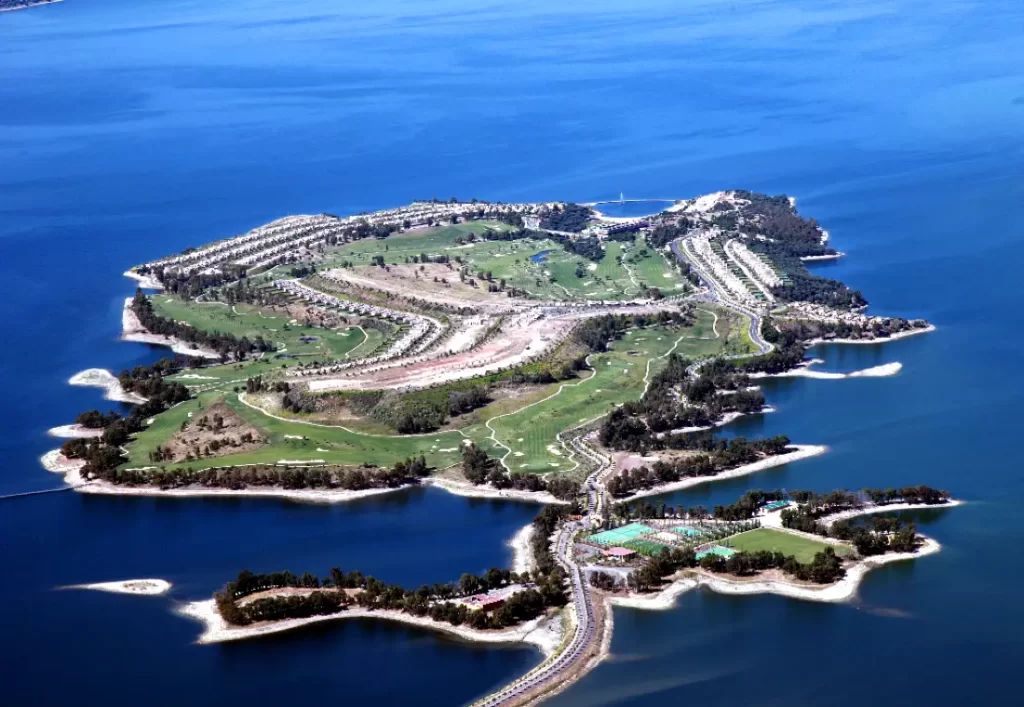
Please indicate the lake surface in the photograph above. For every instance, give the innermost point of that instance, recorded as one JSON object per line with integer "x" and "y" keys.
{"x": 633, "y": 209}
{"x": 133, "y": 130}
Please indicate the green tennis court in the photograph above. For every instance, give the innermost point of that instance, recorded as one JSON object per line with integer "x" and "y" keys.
{"x": 620, "y": 536}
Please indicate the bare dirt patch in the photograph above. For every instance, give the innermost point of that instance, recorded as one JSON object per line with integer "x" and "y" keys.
{"x": 215, "y": 432}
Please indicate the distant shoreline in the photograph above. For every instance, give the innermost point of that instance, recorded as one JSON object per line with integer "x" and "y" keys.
{"x": 29, "y": 4}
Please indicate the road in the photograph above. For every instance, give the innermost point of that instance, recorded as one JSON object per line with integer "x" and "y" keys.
{"x": 552, "y": 673}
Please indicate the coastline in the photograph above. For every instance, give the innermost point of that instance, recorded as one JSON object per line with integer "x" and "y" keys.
{"x": 801, "y": 451}
{"x": 888, "y": 508}
{"x": 73, "y": 478}
{"x": 56, "y": 463}
{"x": 867, "y": 342}
{"x": 102, "y": 378}
{"x": 132, "y": 330}
{"x": 464, "y": 488}
{"x": 74, "y": 431}
{"x": 843, "y": 590}
{"x": 817, "y": 258}
{"x": 804, "y": 371}
{"x": 543, "y": 632}
{"x": 522, "y": 558}
{"x": 138, "y": 587}
{"x": 146, "y": 282}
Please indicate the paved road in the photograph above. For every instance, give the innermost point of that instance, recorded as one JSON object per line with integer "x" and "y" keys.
{"x": 552, "y": 672}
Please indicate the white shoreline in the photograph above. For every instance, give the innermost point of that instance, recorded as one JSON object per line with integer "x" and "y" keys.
{"x": 102, "y": 378}
{"x": 132, "y": 330}
{"x": 73, "y": 478}
{"x": 138, "y": 587}
{"x": 843, "y": 590}
{"x": 56, "y": 463}
{"x": 867, "y": 342}
{"x": 804, "y": 371}
{"x": 816, "y": 258}
{"x": 216, "y": 630}
{"x": 74, "y": 431}
{"x": 464, "y": 488}
{"x": 801, "y": 451}
{"x": 146, "y": 282}
{"x": 869, "y": 510}
{"x": 522, "y": 558}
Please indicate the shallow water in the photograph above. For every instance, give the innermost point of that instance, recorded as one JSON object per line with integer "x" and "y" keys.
{"x": 130, "y": 131}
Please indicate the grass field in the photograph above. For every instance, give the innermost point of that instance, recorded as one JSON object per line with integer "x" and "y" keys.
{"x": 803, "y": 549}
{"x": 531, "y": 433}
{"x": 297, "y": 441}
{"x": 618, "y": 276}
{"x": 246, "y": 320}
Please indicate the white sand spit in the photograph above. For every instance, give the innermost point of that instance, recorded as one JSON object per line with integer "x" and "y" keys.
{"x": 464, "y": 488}
{"x": 543, "y": 632}
{"x": 102, "y": 378}
{"x": 144, "y": 587}
{"x": 74, "y": 432}
{"x": 800, "y": 451}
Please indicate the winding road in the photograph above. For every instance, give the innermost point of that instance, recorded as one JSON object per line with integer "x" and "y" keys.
{"x": 553, "y": 672}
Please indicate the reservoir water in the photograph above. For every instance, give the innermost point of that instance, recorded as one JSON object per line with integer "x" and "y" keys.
{"x": 132, "y": 130}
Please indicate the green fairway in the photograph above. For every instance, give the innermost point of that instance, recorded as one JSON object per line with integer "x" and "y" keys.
{"x": 557, "y": 275}
{"x": 803, "y": 549}
{"x": 249, "y": 321}
{"x": 619, "y": 375}
{"x": 295, "y": 441}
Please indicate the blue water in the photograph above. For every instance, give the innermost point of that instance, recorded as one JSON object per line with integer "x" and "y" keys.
{"x": 540, "y": 257}
{"x": 130, "y": 130}
{"x": 633, "y": 209}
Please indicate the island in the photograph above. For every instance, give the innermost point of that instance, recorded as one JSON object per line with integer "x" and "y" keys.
{"x": 542, "y": 352}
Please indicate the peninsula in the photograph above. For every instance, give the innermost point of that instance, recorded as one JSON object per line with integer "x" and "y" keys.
{"x": 536, "y": 351}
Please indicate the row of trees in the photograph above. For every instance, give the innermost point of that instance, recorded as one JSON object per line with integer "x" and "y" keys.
{"x": 226, "y": 345}
{"x": 337, "y": 591}
{"x": 403, "y": 473}
{"x": 726, "y": 454}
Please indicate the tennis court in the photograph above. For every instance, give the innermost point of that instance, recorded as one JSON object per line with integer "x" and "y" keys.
{"x": 621, "y": 536}
{"x": 687, "y": 532}
{"x": 716, "y": 550}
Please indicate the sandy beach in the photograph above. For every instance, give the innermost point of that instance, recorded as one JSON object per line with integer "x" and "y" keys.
{"x": 522, "y": 557}
{"x": 74, "y": 432}
{"x": 140, "y": 587}
{"x": 843, "y": 590}
{"x": 147, "y": 282}
{"x": 464, "y": 488}
{"x": 57, "y": 463}
{"x": 132, "y": 330}
{"x": 800, "y": 451}
{"x": 887, "y": 508}
{"x": 804, "y": 371}
{"x": 73, "y": 478}
{"x": 102, "y": 378}
{"x": 543, "y": 632}
{"x": 867, "y": 342}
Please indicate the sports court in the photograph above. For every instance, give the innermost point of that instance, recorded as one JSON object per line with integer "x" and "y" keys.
{"x": 620, "y": 536}
{"x": 716, "y": 550}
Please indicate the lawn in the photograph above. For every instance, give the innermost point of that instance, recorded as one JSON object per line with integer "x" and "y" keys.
{"x": 620, "y": 273}
{"x": 531, "y": 432}
{"x": 250, "y": 321}
{"x": 803, "y": 549}
{"x": 297, "y": 441}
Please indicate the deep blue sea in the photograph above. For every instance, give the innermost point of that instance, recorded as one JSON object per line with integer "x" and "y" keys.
{"x": 130, "y": 130}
